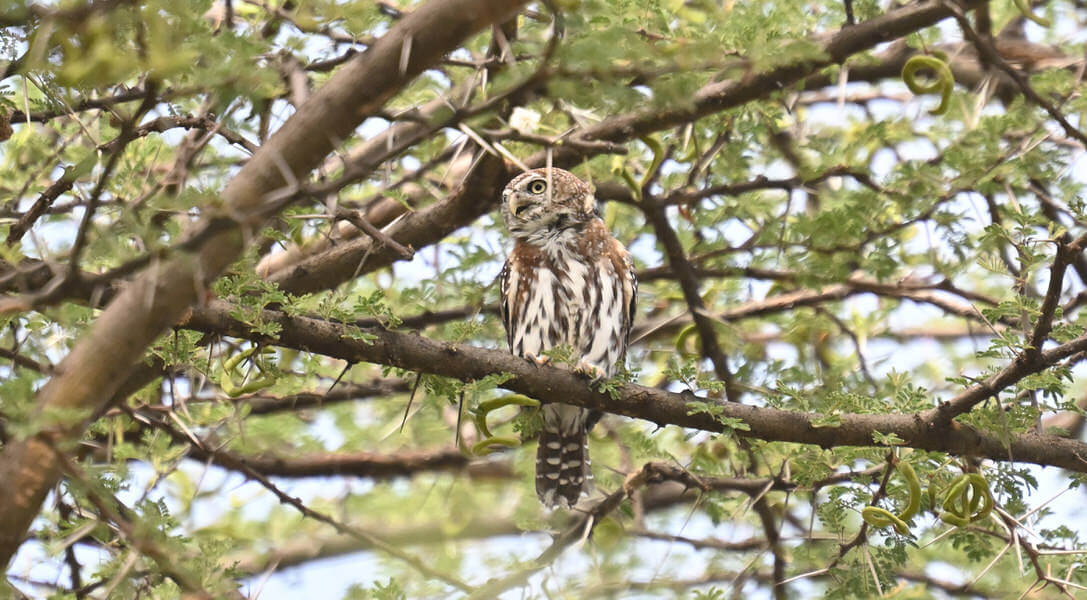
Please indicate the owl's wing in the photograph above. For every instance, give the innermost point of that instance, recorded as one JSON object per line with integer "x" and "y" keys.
{"x": 630, "y": 297}
{"x": 628, "y": 287}
{"x": 504, "y": 302}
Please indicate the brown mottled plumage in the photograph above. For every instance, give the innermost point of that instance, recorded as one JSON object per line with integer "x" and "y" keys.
{"x": 566, "y": 281}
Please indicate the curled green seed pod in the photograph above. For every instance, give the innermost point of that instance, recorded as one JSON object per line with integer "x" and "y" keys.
{"x": 878, "y": 517}
{"x": 255, "y": 385}
{"x": 485, "y": 408}
{"x": 1029, "y": 13}
{"x": 955, "y": 520}
{"x": 508, "y": 400}
{"x": 967, "y": 500}
{"x": 954, "y": 509}
{"x": 914, "y": 486}
{"x": 632, "y": 183}
{"x": 975, "y": 497}
{"x": 232, "y": 362}
{"x": 681, "y": 339}
{"x": 226, "y": 375}
{"x": 658, "y": 158}
{"x": 981, "y": 489}
{"x": 953, "y": 494}
{"x": 962, "y": 500}
{"x": 479, "y": 417}
{"x": 944, "y": 82}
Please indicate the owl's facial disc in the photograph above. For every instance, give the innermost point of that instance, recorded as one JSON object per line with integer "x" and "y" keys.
{"x": 537, "y": 205}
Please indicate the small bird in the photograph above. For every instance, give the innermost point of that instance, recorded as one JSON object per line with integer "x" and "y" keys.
{"x": 566, "y": 282}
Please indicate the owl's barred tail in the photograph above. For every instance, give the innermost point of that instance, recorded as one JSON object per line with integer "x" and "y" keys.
{"x": 562, "y": 464}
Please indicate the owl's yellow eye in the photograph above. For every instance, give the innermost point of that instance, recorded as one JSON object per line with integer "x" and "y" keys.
{"x": 537, "y": 186}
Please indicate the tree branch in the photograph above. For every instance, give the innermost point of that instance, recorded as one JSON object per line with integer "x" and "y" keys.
{"x": 551, "y": 384}
{"x": 688, "y": 283}
{"x": 104, "y": 357}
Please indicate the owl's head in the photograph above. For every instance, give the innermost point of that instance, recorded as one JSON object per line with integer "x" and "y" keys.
{"x": 543, "y": 201}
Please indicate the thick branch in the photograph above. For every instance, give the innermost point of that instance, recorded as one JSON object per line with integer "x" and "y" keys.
{"x": 477, "y": 195}
{"x": 550, "y": 384}
{"x": 104, "y": 357}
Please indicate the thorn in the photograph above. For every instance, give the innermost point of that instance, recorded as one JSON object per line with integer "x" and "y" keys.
{"x": 339, "y": 377}
{"x": 414, "y": 387}
{"x": 460, "y": 414}
{"x": 405, "y": 55}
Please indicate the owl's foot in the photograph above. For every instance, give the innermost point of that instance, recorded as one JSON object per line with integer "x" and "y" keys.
{"x": 590, "y": 371}
{"x": 540, "y": 360}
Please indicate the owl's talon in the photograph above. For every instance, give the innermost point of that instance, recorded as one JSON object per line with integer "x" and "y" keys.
{"x": 590, "y": 371}
{"x": 540, "y": 360}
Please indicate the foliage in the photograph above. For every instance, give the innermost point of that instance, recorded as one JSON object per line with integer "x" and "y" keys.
{"x": 848, "y": 253}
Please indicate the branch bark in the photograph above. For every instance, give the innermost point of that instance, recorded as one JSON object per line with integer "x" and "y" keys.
{"x": 551, "y": 384}
{"x": 102, "y": 360}
{"x": 477, "y": 195}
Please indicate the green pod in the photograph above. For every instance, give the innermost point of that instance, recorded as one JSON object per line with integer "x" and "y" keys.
{"x": 944, "y": 83}
{"x": 479, "y": 417}
{"x": 982, "y": 491}
{"x": 952, "y": 502}
{"x": 878, "y": 517}
{"x": 681, "y": 339}
{"x": 914, "y": 486}
{"x": 955, "y": 520}
{"x": 1028, "y": 12}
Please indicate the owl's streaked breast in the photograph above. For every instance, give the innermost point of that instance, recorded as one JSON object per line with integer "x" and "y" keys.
{"x": 559, "y": 294}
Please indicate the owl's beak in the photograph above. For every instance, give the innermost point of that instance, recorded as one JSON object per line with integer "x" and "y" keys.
{"x": 516, "y": 204}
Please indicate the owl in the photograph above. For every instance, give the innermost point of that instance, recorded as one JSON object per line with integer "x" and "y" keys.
{"x": 566, "y": 282}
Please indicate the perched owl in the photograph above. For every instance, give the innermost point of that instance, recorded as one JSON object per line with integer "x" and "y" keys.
{"x": 566, "y": 281}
